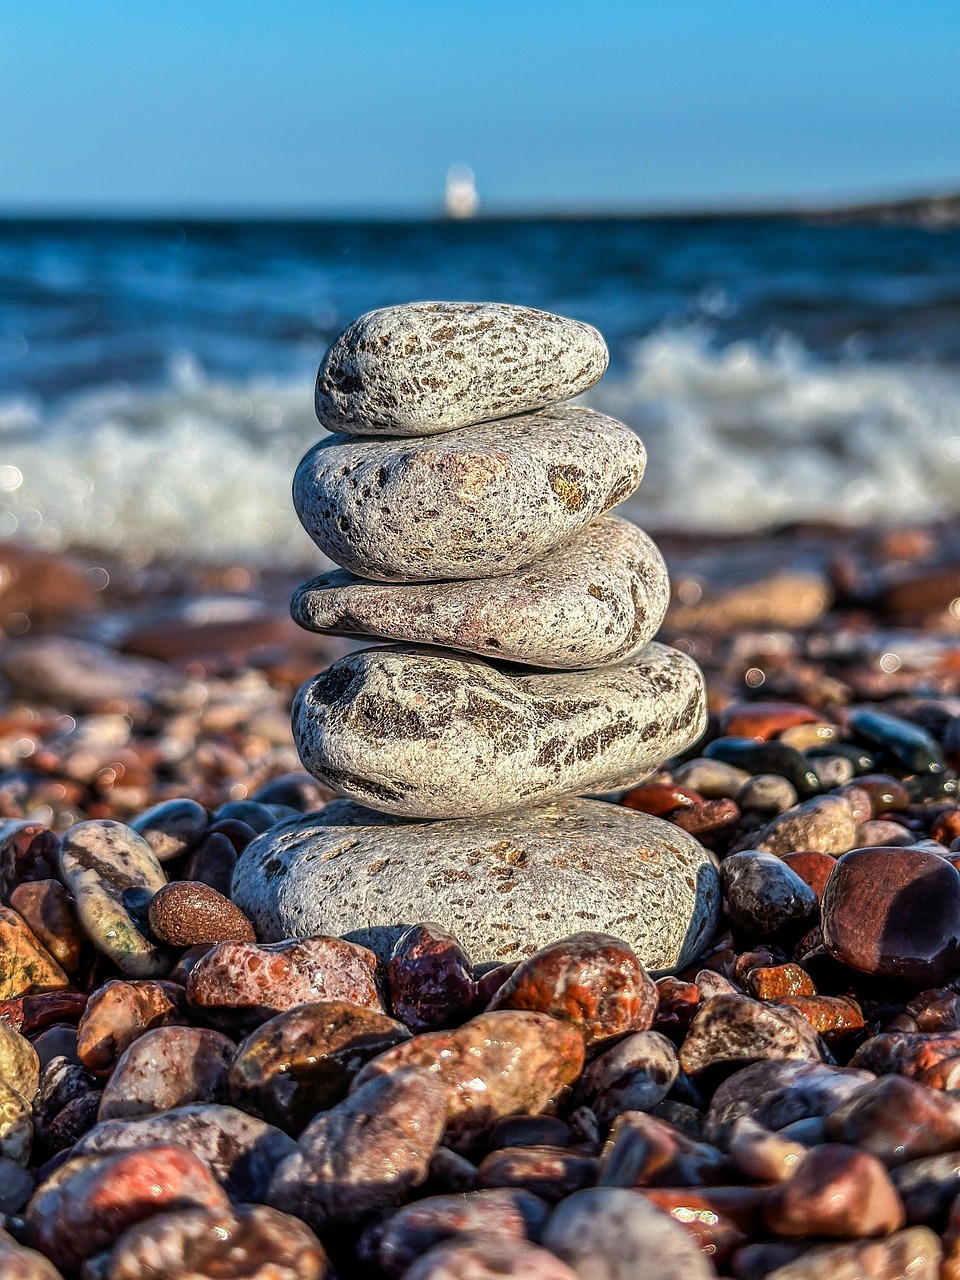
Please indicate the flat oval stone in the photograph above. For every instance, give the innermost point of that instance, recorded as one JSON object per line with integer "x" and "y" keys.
{"x": 894, "y": 912}
{"x": 429, "y": 367}
{"x": 763, "y": 894}
{"x": 505, "y": 886}
{"x": 835, "y": 1191}
{"x": 188, "y": 912}
{"x": 430, "y": 979}
{"x": 173, "y": 827}
{"x": 113, "y": 874}
{"x": 593, "y": 980}
{"x": 26, "y": 967}
{"x": 475, "y": 503}
{"x": 597, "y": 599}
{"x": 428, "y": 734}
{"x": 304, "y": 1060}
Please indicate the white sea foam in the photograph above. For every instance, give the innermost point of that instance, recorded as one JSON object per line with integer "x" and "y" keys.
{"x": 738, "y": 439}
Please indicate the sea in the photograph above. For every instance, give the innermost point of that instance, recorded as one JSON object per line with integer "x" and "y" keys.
{"x": 156, "y": 376}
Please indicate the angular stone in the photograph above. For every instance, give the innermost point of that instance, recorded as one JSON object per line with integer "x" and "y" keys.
{"x": 504, "y": 886}
{"x": 593, "y": 980}
{"x": 26, "y": 967}
{"x": 303, "y": 1061}
{"x": 240, "y": 1151}
{"x": 835, "y": 1191}
{"x": 430, "y": 979}
{"x": 427, "y": 734}
{"x": 187, "y": 913}
{"x": 643, "y": 1149}
{"x": 428, "y": 367}
{"x": 607, "y": 1233}
{"x": 477, "y": 502}
{"x": 367, "y": 1153}
{"x": 597, "y": 599}
{"x": 166, "y": 1068}
{"x": 496, "y": 1065}
{"x": 894, "y": 912}
{"x": 118, "y": 1012}
{"x": 249, "y": 1242}
{"x": 113, "y": 873}
{"x": 735, "y": 1030}
{"x": 240, "y": 983}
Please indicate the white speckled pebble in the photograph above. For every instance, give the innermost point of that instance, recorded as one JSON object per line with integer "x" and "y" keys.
{"x": 477, "y": 502}
{"x": 429, "y": 734}
{"x": 504, "y": 885}
{"x": 429, "y": 367}
{"x": 597, "y": 599}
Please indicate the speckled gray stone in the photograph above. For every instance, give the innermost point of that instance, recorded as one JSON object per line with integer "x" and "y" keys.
{"x": 598, "y": 599}
{"x": 475, "y": 503}
{"x": 505, "y": 886}
{"x": 425, "y": 733}
{"x": 428, "y": 367}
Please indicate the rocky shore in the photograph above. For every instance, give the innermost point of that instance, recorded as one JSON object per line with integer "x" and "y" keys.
{"x": 784, "y": 1106}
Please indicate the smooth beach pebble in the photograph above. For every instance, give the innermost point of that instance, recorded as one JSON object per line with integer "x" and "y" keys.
{"x": 429, "y": 367}
{"x": 729, "y": 1030}
{"x": 897, "y": 1120}
{"x": 304, "y": 1061}
{"x": 166, "y": 1068}
{"x": 635, "y": 1075}
{"x": 173, "y": 827}
{"x": 118, "y": 1012}
{"x": 474, "y": 503}
{"x": 248, "y": 1242}
{"x": 186, "y": 913}
{"x": 597, "y": 599}
{"x": 88, "y": 1202}
{"x": 113, "y": 874}
{"x": 239, "y": 983}
{"x": 608, "y": 1233}
{"x": 20, "y": 1263}
{"x": 48, "y": 910}
{"x": 593, "y": 980}
{"x": 430, "y": 979}
{"x": 16, "y": 1125}
{"x": 505, "y": 886}
{"x": 914, "y": 1254}
{"x": 367, "y": 1153}
{"x": 427, "y": 734}
{"x": 825, "y": 824}
{"x": 496, "y": 1065}
{"x": 777, "y": 1092}
{"x": 894, "y": 912}
{"x": 835, "y": 1191}
{"x": 239, "y": 1150}
{"x": 19, "y": 1063}
{"x": 642, "y": 1149}
{"x": 482, "y": 1258}
{"x": 763, "y": 894}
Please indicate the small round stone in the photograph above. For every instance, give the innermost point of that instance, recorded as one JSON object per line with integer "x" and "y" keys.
{"x": 187, "y": 913}
{"x": 894, "y": 912}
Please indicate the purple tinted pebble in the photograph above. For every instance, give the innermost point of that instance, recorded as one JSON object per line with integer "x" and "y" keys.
{"x": 166, "y": 1068}
{"x": 430, "y": 979}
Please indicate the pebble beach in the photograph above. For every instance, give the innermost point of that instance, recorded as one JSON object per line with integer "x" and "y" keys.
{"x": 547, "y": 1021}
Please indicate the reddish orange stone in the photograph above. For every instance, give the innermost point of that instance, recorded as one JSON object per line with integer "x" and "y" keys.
{"x": 763, "y": 720}
{"x": 947, "y": 827}
{"x": 770, "y": 982}
{"x": 832, "y": 1016}
{"x": 812, "y": 867}
{"x": 658, "y": 799}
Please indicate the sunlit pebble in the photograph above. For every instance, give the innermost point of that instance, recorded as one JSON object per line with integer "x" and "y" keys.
{"x": 754, "y": 677}
{"x": 11, "y": 477}
{"x": 890, "y": 663}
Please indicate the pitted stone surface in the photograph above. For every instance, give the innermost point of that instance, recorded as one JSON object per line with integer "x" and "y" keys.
{"x": 505, "y": 885}
{"x": 598, "y": 599}
{"x": 429, "y": 734}
{"x": 428, "y": 367}
{"x": 474, "y": 503}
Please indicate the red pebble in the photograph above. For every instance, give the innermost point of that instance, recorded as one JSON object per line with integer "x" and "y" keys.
{"x": 430, "y": 979}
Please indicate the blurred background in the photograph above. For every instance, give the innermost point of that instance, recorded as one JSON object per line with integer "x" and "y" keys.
{"x": 756, "y": 203}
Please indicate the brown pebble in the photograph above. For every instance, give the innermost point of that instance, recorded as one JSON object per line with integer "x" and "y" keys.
{"x": 187, "y": 913}
{"x": 836, "y": 1191}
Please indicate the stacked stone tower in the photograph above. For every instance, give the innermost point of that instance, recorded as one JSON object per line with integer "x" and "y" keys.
{"x": 467, "y": 507}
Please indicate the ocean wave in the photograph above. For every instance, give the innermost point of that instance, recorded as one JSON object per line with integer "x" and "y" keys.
{"x": 740, "y": 438}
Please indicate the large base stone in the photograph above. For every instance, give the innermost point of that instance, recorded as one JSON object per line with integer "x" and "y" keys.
{"x": 504, "y": 885}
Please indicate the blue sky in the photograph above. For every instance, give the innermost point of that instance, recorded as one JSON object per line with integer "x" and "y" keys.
{"x": 318, "y": 106}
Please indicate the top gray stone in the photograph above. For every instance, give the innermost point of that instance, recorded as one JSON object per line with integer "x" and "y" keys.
{"x": 429, "y": 367}
{"x": 477, "y": 502}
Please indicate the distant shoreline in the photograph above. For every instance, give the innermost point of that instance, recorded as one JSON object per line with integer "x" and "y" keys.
{"x": 930, "y": 211}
